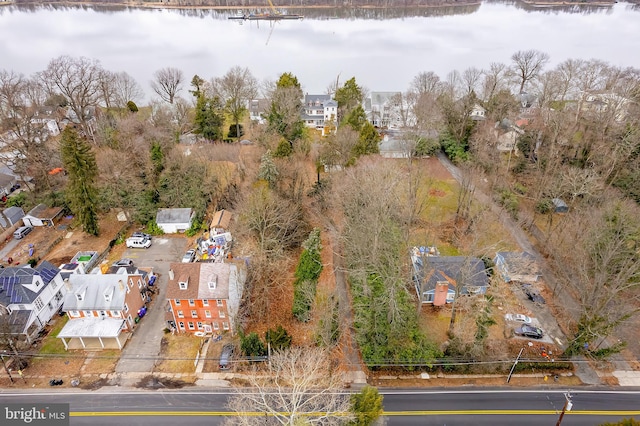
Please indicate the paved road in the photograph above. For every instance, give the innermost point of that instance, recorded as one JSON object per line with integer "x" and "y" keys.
{"x": 142, "y": 350}
{"x": 402, "y": 407}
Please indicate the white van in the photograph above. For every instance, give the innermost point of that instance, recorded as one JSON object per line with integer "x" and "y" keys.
{"x": 138, "y": 242}
{"x": 22, "y": 232}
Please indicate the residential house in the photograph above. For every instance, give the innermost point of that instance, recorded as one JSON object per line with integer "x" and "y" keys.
{"x": 10, "y": 216}
{"x": 606, "y": 102}
{"x": 436, "y": 277}
{"x": 478, "y": 113}
{"x": 29, "y": 297}
{"x": 204, "y": 297}
{"x": 387, "y": 110}
{"x": 172, "y": 221}
{"x": 507, "y": 134}
{"x": 321, "y": 113}
{"x": 7, "y": 184}
{"x": 220, "y": 222}
{"x": 103, "y": 309}
{"x": 517, "y": 266}
{"x": 258, "y": 109}
{"x": 41, "y": 215}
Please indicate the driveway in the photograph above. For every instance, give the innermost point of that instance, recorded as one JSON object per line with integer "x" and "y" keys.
{"x": 142, "y": 350}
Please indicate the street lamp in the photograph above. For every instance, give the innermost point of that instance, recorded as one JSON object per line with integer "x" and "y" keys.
{"x": 567, "y": 406}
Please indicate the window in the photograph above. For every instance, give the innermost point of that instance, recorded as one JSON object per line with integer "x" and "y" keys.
{"x": 205, "y": 302}
{"x": 191, "y": 326}
{"x": 177, "y": 302}
{"x": 225, "y": 325}
{"x": 74, "y": 314}
{"x": 194, "y": 314}
{"x": 219, "y": 302}
{"x": 115, "y": 314}
{"x": 139, "y": 284}
{"x": 103, "y": 313}
{"x": 207, "y": 314}
{"x": 53, "y": 284}
{"x": 216, "y": 326}
{"x": 107, "y": 297}
{"x": 181, "y": 325}
{"x": 130, "y": 282}
{"x": 79, "y": 297}
{"x": 199, "y": 325}
{"x": 126, "y": 307}
{"x": 192, "y": 302}
{"x": 180, "y": 314}
{"x": 212, "y": 285}
{"x": 38, "y": 304}
{"x": 183, "y": 285}
{"x": 58, "y": 296}
{"x": 221, "y": 314}
{"x": 88, "y": 314}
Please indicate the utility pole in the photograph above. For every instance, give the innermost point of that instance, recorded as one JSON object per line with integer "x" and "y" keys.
{"x": 567, "y": 406}
{"x": 4, "y": 364}
{"x": 514, "y": 365}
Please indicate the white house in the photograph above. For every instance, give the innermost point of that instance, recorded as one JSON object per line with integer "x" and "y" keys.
{"x": 29, "y": 297}
{"x": 172, "y": 221}
{"x": 388, "y": 110}
{"x": 321, "y": 113}
{"x": 41, "y": 215}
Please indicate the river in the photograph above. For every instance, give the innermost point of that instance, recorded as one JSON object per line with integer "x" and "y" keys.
{"x": 384, "y": 51}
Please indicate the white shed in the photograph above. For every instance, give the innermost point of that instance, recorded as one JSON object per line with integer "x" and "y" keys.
{"x": 172, "y": 221}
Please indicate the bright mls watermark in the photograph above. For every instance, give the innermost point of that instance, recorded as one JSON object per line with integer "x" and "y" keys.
{"x": 34, "y": 414}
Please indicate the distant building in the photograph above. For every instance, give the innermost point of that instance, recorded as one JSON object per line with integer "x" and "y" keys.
{"x": 320, "y": 113}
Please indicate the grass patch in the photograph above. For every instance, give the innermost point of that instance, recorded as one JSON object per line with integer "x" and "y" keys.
{"x": 102, "y": 362}
{"x": 51, "y": 344}
{"x": 441, "y": 202}
{"x": 178, "y": 353}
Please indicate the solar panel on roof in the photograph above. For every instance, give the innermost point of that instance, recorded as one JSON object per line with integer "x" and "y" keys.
{"x": 48, "y": 274}
{"x": 16, "y": 298}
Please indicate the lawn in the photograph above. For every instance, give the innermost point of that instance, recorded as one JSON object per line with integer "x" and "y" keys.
{"x": 51, "y": 344}
{"x": 178, "y": 353}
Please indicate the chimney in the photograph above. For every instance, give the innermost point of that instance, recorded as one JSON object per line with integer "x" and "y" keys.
{"x": 171, "y": 277}
{"x": 121, "y": 284}
{"x": 67, "y": 284}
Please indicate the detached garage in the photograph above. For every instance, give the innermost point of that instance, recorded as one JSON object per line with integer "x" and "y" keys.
{"x": 41, "y": 215}
{"x": 172, "y": 221}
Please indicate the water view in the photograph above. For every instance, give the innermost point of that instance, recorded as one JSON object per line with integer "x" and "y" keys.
{"x": 384, "y": 50}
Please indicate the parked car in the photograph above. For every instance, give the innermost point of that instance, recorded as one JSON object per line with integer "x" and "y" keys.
{"x": 189, "y": 256}
{"x": 225, "y": 356}
{"x": 533, "y": 294}
{"x": 518, "y": 318}
{"x": 529, "y": 331}
{"x": 138, "y": 242}
{"x": 22, "y": 232}
{"x": 141, "y": 235}
{"x": 123, "y": 262}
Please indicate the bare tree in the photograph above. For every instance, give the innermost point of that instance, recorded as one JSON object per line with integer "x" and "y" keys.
{"x": 126, "y": 89}
{"x": 494, "y": 80}
{"x": 471, "y": 79}
{"x": 298, "y": 387}
{"x": 527, "y": 65}
{"x": 236, "y": 88}
{"x": 78, "y": 80}
{"x": 426, "y": 82}
{"x": 421, "y": 99}
{"x": 167, "y": 83}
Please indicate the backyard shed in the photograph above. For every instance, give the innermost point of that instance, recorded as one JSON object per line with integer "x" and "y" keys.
{"x": 559, "y": 206}
{"x": 41, "y": 215}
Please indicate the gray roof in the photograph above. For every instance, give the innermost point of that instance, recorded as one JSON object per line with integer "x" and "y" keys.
{"x": 14, "y": 214}
{"x": 6, "y": 180}
{"x": 94, "y": 288}
{"x": 19, "y": 320}
{"x": 380, "y": 98}
{"x": 431, "y": 270}
{"x": 182, "y": 215}
{"x": 13, "y": 280}
{"x": 312, "y": 99}
{"x": 41, "y": 211}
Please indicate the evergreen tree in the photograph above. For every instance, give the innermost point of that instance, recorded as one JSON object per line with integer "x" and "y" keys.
{"x": 366, "y": 406}
{"x": 209, "y": 118}
{"x": 286, "y": 104}
{"x": 80, "y": 163}
{"x": 268, "y": 170}
{"x": 368, "y": 142}
{"x": 348, "y": 97}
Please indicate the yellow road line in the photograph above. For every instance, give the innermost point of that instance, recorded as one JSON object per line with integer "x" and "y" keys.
{"x": 386, "y": 413}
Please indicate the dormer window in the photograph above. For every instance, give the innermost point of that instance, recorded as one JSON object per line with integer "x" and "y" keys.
{"x": 183, "y": 285}
{"x": 212, "y": 282}
{"x": 183, "y": 282}
{"x": 80, "y": 296}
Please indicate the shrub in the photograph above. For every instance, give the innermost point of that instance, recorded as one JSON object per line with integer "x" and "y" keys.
{"x": 232, "y": 131}
{"x": 251, "y": 345}
{"x": 153, "y": 228}
{"x": 427, "y": 146}
{"x": 131, "y": 106}
{"x": 284, "y": 149}
{"x": 544, "y": 206}
{"x": 278, "y": 338}
{"x": 307, "y": 274}
{"x": 366, "y": 406}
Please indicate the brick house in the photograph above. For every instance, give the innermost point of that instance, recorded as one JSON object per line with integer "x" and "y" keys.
{"x": 203, "y": 297}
